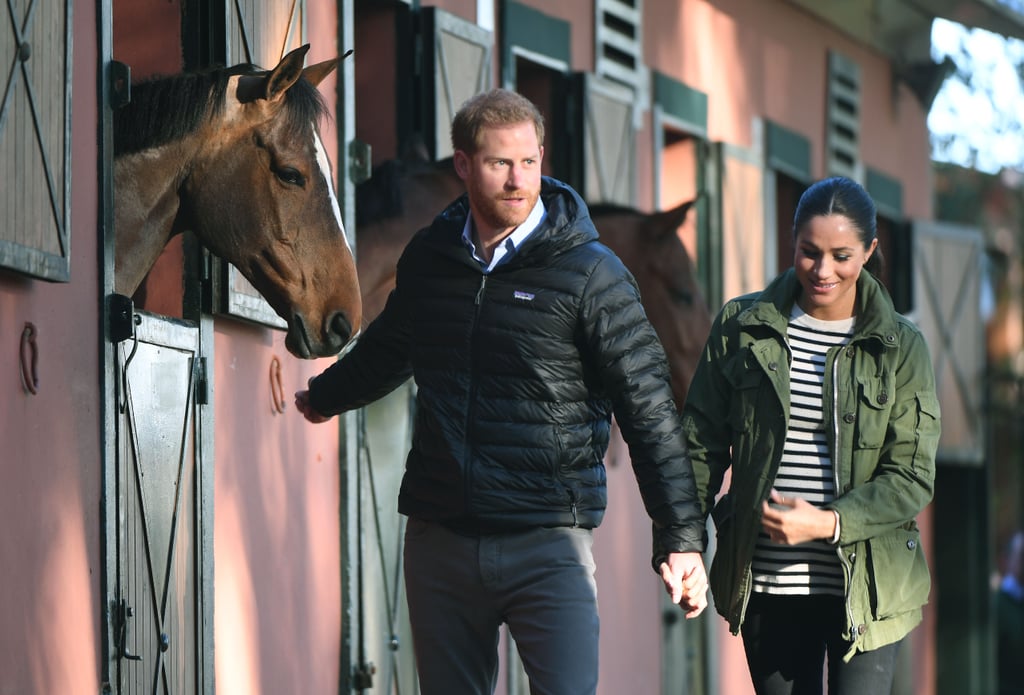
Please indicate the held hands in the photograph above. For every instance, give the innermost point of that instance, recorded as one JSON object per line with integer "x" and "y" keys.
{"x": 686, "y": 582}
{"x": 792, "y": 520}
{"x": 303, "y": 405}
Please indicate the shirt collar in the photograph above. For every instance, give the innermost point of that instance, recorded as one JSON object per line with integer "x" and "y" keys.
{"x": 510, "y": 244}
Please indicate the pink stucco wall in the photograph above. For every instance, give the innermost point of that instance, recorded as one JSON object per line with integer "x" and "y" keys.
{"x": 50, "y": 562}
{"x": 277, "y": 506}
{"x": 276, "y": 532}
{"x": 757, "y": 59}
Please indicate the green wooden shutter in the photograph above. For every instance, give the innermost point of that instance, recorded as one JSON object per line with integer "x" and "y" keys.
{"x": 604, "y": 165}
{"x": 947, "y": 290}
{"x": 456, "y": 64}
{"x": 842, "y": 130}
{"x": 35, "y": 139}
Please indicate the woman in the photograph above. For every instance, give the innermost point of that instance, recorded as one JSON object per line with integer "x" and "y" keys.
{"x": 821, "y": 399}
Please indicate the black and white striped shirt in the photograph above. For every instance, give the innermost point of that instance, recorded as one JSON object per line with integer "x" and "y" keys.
{"x": 806, "y": 467}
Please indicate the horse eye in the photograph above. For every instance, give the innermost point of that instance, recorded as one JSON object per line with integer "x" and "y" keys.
{"x": 291, "y": 176}
{"x": 683, "y": 296}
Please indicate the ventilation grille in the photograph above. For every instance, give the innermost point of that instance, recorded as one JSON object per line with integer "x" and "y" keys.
{"x": 618, "y": 43}
{"x": 842, "y": 137}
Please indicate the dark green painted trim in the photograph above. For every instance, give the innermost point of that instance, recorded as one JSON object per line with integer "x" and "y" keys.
{"x": 679, "y": 101}
{"x": 709, "y": 247}
{"x": 887, "y": 193}
{"x": 530, "y": 29}
{"x": 787, "y": 151}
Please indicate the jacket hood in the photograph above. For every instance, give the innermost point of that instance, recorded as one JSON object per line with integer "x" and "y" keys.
{"x": 876, "y": 316}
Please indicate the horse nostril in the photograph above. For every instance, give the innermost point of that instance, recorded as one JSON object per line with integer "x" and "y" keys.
{"x": 340, "y": 328}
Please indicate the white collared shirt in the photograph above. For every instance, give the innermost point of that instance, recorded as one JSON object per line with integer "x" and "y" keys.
{"x": 509, "y": 244}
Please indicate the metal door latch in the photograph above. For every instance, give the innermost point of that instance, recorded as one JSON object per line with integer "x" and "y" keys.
{"x": 362, "y": 679}
{"x": 124, "y": 611}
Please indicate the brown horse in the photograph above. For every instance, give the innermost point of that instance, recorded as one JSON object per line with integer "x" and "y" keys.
{"x": 402, "y": 198}
{"x": 235, "y": 156}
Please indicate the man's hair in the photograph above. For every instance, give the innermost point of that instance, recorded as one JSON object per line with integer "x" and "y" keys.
{"x": 494, "y": 109}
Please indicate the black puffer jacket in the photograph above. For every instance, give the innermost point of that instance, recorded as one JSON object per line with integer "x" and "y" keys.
{"x": 518, "y": 373}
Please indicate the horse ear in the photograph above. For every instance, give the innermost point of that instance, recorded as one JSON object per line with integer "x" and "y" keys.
{"x": 287, "y": 72}
{"x": 315, "y": 74}
{"x": 679, "y": 212}
{"x": 668, "y": 221}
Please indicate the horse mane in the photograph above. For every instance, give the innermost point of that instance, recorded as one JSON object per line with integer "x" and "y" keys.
{"x": 166, "y": 109}
{"x": 602, "y": 209}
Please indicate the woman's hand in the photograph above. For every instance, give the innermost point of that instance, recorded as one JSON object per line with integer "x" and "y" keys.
{"x": 686, "y": 582}
{"x": 792, "y": 520}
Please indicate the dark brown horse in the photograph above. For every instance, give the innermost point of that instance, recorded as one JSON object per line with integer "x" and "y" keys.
{"x": 402, "y": 198}
{"x": 235, "y": 156}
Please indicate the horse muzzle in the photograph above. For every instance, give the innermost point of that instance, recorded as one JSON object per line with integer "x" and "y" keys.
{"x": 329, "y": 340}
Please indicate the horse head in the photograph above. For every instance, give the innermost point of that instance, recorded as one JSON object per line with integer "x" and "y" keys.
{"x": 649, "y": 246}
{"x": 252, "y": 180}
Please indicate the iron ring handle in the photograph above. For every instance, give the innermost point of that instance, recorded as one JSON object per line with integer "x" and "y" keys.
{"x": 29, "y": 354}
{"x": 276, "y": 387}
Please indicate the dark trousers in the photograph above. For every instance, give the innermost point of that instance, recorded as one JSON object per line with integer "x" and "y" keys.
{"x": 788, "y": 641}
{"x": 460, "y": 590}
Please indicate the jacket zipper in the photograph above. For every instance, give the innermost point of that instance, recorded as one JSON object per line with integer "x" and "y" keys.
{"x": 847, "y": 568}
{"x": 748, "y": 575}
{"x": 468, "y": 478}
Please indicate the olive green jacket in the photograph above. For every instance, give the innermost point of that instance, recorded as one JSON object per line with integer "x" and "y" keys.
{"x": 882, "y": 418}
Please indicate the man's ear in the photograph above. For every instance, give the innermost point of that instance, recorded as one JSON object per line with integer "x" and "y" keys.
{"x": 461, "y": 161}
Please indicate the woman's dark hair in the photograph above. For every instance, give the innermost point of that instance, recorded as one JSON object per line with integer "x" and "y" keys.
{"x": 842, "y": 196}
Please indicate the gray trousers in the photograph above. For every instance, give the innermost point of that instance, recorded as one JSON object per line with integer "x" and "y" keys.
{"x": 460, "y": 590}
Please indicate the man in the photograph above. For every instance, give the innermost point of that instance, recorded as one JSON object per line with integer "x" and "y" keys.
{"x": 524, "y": 336}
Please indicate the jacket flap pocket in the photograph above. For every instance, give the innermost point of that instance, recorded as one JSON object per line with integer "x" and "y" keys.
{"x": 874, "y": 405}
{"x": 900, "y": 572}
{"x": 928, "y": 402}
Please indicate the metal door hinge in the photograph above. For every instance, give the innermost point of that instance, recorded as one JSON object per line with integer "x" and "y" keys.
{"x": 120, "y": 84}
{"x": 360, "y": 160}
{"x": 202, "y": 383}
{"x": 123, "y": 318}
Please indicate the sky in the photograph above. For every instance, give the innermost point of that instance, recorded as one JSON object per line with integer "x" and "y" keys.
{"x": 978, "y": 125}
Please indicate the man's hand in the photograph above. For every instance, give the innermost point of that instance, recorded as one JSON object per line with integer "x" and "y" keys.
{"x": 303, "y": 405}
{"x": 686, "y": 582}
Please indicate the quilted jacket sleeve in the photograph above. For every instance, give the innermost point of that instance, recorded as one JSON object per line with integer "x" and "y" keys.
{"x": 621, "y": 345}
{"x": 378, "y": 363}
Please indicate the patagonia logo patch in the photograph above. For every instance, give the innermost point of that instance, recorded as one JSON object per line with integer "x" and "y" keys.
{"x": 521, "y": 296}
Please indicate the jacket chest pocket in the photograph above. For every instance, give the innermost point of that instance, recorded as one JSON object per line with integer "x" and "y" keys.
{"x": 875, "y": 396}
